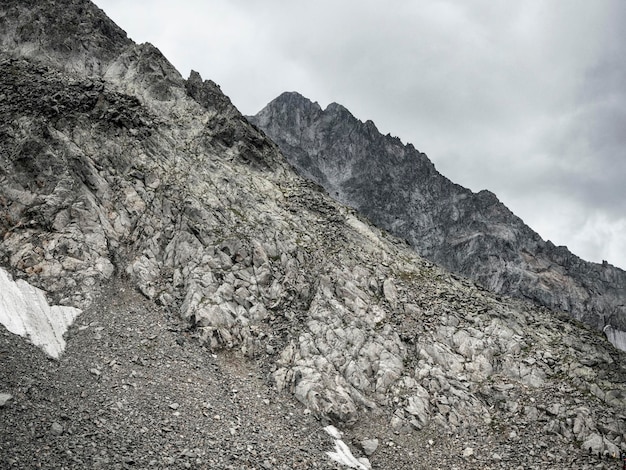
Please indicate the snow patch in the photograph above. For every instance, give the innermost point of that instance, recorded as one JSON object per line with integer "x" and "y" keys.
{"x": 25, "y": 311}
{"x": 342, "y": 453}
{"x": 616, "y": 337}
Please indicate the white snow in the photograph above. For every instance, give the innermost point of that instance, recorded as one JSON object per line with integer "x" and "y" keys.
{"x": 25, "y": 311}
{"x": 616, "y": 337}
{"x": 332, "y": 431}
{"x": 342, "y": 453}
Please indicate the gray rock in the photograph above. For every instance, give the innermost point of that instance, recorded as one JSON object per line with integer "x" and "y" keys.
{"x": 369, "y": 446}
{"x": 56, "y": 429}
{"x": 595, "y": 443}
{"x": 468, "y": 452}
{"x": 389, "y": 291}
{"x": 418, "y": 406}
{"x": 4, "y": 398}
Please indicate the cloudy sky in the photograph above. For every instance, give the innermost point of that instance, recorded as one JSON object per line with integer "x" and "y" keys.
{"x": 526, "y": 99}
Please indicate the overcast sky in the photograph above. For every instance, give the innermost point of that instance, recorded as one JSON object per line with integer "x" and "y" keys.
{"x": 526, "y": 99}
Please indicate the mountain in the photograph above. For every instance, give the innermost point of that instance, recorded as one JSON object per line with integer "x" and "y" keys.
{"x": 224, "y": 312}
{"x": 398, "y": 188}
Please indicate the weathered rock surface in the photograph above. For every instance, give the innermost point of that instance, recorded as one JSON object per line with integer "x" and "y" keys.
{"x": 398, "y": 188}
{"x": 260, "y": 292}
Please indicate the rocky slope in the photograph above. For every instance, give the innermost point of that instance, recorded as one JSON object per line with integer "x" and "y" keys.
{"x": 231, "y": 309}
{"x": 398, "y": 188}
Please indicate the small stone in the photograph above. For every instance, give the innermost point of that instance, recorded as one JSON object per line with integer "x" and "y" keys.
{"x": 56, "y": 429}
{"x": 174, "y": 406}
{"x": 188, "y": 453}
{"x": 468, "y": 452}
{"x": 4, "y": 398}
{"x": 369, "y": 446}
{"x": 396, "y": 423}
{"x": 95, "y": 372}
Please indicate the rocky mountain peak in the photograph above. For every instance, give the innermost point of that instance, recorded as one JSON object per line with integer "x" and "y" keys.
{"x": 292, "y": 106}
{"x": 294, "y": 100}
{"x": 472, "y": 234}
{"x": 338, "y": 109}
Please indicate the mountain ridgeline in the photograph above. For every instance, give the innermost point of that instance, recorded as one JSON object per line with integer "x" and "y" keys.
{"x": 473, "y": 234}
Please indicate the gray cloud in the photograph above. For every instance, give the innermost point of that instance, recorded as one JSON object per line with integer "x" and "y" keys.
{"x": 527, "y": 99}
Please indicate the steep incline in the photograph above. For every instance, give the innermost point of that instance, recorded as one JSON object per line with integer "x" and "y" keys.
{"x": 81, "y": 38}
{"x": 474, "y": 234}
{"x": 267, "y": 309}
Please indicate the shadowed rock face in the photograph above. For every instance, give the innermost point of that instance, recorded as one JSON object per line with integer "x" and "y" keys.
{"x": 473, "y": 234}
{"x": 80, "y": 38}
{"x": 122, "y": 177}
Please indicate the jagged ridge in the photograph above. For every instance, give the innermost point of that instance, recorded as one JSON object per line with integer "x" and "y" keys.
{"x": 474, "y": 234}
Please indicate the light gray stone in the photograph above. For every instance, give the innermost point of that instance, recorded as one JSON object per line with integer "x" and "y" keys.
{"x": 56, "y": 429}
{"x": 369, "y": 446}
{"x": 4, "y": 398}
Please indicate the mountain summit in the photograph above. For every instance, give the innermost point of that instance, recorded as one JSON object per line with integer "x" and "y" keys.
{"x": 473, "y": 234}
{"x": 224, "y": 312}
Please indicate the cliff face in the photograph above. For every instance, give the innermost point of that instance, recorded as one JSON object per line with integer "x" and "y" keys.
{"x": 72, "y": 34}
{"x": 283, "y": 306}
{"x": 397, "y": 188}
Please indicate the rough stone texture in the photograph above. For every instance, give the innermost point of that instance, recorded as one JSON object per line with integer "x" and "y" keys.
{"x": 369, "y": 446}
{"x": 398, "y": 188}
{"x": 232, "y": 310}
{"x": 81, "y": 38}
